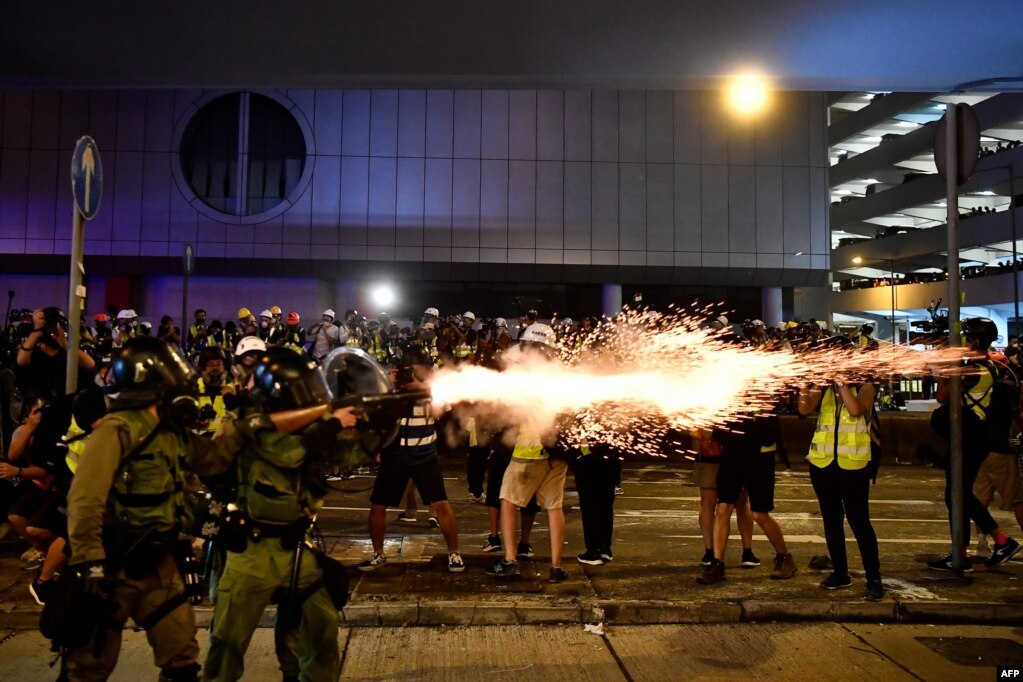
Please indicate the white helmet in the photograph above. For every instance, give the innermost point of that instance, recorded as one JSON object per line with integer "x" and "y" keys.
{"x": 432, "y": 311}
{"x": 539, "y": 333}
{"x": 249, "y": 344}
{"x": 328, "y": 311}
{"x": 126, "y": 314}
{"x": 469, "y": 314}
{"x": 266, "y": 313}
{"x": 501, "y": 322}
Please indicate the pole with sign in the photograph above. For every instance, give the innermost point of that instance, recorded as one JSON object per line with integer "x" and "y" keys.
{"x": 956, "y": 146}
{"x": 87, "y": 188}
{"x": 188, "y": 261}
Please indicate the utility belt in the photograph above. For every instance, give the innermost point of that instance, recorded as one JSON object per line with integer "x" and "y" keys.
{"x": 238, "y": 530}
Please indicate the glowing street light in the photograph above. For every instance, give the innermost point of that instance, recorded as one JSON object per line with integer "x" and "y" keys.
{"x": 383, "y": 295}
{"x": 747, "y": 95}
{"x": 857, "y": 260}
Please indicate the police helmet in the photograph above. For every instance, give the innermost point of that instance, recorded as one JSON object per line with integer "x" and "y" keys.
{"x": 982, "y": 329}
{"x": 148, "y": 370}
{"x": 286, "y": 380}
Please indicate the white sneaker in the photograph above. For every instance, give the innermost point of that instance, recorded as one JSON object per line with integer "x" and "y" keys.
{"x": 373, "y": 563}
{"x": 455, "y": 563}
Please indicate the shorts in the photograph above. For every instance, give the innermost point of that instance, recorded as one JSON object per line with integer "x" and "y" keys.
{"x": 495, "y": 477}
{"x": 544, "y": 478}
{"x": 999, "y": 472}
{"x": 393, "y": 477}
{"x": 705, "y": 474}
{"x": 755, "y": 473}
{"x": 42, "y": 508}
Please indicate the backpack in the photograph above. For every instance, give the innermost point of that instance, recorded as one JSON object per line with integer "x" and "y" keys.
{"x": 1001, "y": 408}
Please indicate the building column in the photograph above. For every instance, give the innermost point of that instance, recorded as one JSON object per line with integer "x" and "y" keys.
{"x": 611, "y": 299}
{"x": 770, "y": 305}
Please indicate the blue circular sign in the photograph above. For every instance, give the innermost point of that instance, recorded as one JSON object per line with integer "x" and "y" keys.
{"x": 86, "y": 177}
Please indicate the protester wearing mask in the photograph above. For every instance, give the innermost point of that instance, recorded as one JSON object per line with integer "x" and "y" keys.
{"x": 167, "y": 331}
{"x": 246, "y": 355}
{"x": 294, "y": 333}
{"x": 127, "y": 327}
{"x": 247, "y": 325}
{"x": 326, "y": 335}
{"x": 196, "y": 340}
{"x": 213, "y": 387}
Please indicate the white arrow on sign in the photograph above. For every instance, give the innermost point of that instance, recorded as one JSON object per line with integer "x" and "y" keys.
{"x": 89, "y": 169}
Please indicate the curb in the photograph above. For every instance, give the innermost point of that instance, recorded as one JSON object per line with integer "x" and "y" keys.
{"x": 624, "y": 612}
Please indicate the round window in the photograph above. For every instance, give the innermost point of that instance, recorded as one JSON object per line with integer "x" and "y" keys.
{"x": 243, "y": 154}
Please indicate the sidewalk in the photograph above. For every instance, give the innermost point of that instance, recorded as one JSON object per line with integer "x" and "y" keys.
{"x": 653, "y": 577}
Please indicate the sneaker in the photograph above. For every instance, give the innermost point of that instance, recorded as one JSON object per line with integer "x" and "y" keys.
{"x": 749, "y": 559}
{"x": 493, "y": 544}
{"x": 874, "y": 591}
{"x": 713, "y": 573}
{"x": 32, "y": 560}
{"x": 591, "y": 558}
{"x": 945, "y": 564}
{"x": 557, "y": 575}
{"x": 708, "y": 557}
{"x": 373, "y": 563}
{"x": 983, "y": 550}
{"x": 476, "y": 499}
{"x": 836, "y": 581}
{"x": 607, "y": 556}
{"x": 455, "y": 563}
{"x": 1002, "y": 553}
{"x": 434, "y": 523}
{"x": 333, "y": 478}
{"x": 619, "y": 490}
{"x": 402, "y": 517}
{"x": 524, "y": 551}
{"x": 39, "y": 589}
{"x": 784, "y": 567}
{"x": 504, "y": 569}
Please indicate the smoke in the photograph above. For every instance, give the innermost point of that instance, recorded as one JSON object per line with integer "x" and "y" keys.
{"x": 635, "y": 377}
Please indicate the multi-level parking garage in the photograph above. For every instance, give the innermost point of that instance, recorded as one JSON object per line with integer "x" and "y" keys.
{"x": 888, "y": 209}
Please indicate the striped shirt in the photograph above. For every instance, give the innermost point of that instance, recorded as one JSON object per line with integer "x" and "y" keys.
{"x": 417, "y": 435}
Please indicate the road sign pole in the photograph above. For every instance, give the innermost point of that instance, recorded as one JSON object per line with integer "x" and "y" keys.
{"x": 75, "y": 297}
{"x": 188, "y": 264}
{"x": 955, "y": 388}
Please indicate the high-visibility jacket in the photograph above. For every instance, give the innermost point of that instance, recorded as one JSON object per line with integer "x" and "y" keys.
{"x": 978, "y": 396}
{"x": 840, "y": 435}
{"x": 528, "y": 444}
{"x": 216, "y": 401}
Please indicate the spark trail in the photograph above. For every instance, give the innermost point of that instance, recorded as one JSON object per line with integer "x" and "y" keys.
{"x": 633, "y": 378}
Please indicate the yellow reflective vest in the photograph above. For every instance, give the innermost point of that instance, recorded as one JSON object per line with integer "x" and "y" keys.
{"x": 528, "y": 444}
{"x": 840, "y": 435}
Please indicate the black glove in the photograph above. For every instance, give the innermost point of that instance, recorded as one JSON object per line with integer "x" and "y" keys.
{"x": 96, "y": 581}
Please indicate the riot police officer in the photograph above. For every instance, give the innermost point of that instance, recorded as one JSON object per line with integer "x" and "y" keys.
{"x": 126, "y": 506}
{"x": 280, "y": 491}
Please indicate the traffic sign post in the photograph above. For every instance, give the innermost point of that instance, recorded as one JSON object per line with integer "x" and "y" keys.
{"x": 956, "y": 146}
{"x": 87, "y": 188}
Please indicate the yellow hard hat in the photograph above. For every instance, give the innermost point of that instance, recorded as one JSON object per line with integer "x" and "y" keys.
{"x": 244, "y": 314}
{"x": 275, "y": 309}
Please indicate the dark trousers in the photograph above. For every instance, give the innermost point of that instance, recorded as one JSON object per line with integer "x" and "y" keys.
{"x": 972, "y": 507}
{"x": 476, "y": 468}
{"x": 843, "y": 495}
{"x": 595, "y": 480}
